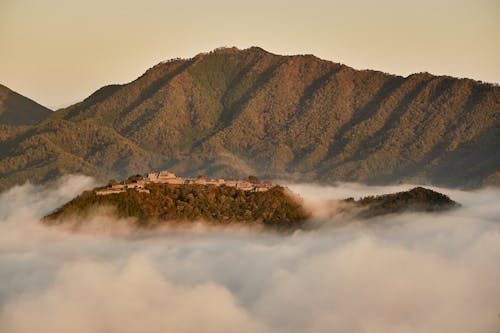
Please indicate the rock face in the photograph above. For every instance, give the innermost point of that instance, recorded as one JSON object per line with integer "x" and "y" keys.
{"x": 222, "y": 205}
{"x": 240, "y": 112}
{"x": 418, "y": 199}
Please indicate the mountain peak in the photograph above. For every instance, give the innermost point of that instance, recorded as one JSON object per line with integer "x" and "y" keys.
{"x": 300, "y": 118}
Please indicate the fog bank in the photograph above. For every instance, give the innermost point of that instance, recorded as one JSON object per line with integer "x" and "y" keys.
{"x": 401, "y": 273}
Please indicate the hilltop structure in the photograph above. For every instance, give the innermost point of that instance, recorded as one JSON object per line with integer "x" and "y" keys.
{"x": 167, "y": 177}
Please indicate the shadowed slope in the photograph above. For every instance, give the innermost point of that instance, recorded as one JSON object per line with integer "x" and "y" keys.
{"x": 418, "y": 199}
{"x": 16, "y": 110}
{"x": 240, "y": 112}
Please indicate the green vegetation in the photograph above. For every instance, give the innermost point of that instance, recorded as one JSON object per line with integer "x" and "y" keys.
{"x": 416, "y": 199}
{"x": 241, "y": 112}
{"x": 276, "y": 208}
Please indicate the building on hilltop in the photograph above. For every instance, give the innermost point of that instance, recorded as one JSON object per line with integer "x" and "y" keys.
{"x": 153, "y": 177}
{"x": 216, "y": 182}
{"x": 165, "y": 174}
{"x": 174, "y": 181}
{"x": 107, "y": 191}
{"x": 244, "y": 186}
{"x": 168, "y": 177}
{"x": 200, "y": 181}
{"x": 165, "y": 177}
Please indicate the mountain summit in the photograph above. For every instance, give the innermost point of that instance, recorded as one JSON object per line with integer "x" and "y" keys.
{"x": 299, "y": 118}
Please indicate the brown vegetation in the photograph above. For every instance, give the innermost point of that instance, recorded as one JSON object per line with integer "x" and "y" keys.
{"x": 418, "y": 199}
{"x": 252, "y": 112}
{"x": 277, "y": 207}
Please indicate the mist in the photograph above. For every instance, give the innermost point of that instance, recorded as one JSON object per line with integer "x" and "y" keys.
{"x": 398, "y": 273}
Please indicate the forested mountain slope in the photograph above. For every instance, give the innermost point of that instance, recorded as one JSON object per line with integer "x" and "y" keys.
{"x": 16, "y": 110}
{"x": 239, "y": 112}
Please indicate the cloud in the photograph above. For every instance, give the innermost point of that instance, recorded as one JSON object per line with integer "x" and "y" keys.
{"x": 28, "y": 202}
{"x": 90, "y": 296}
{"x": 401, "y": 273}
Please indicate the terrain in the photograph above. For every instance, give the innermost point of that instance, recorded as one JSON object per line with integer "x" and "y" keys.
{"x": 99, "y": 278}
{"x": 222, "y": 205}
{"x": 18, "y": 110}
{"x": 418, "y": 199}
{"x": 153, "y": 204}
{"x": 296, "y": 118}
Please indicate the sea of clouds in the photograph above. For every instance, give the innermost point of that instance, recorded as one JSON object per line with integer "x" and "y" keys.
{"x": 401, "y": 273}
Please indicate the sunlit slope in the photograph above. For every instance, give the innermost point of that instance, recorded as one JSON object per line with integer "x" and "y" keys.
{"x": 239, "y": 112}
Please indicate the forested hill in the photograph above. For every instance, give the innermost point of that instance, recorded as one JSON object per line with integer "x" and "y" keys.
{"x": 222, "y": 205}
{"x": 418, "y": 199}
{"x": 300, "y": 118}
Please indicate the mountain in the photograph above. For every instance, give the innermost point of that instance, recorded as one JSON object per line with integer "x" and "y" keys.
{"x": 299, "y": 118}
{"x": 16, "y": 110}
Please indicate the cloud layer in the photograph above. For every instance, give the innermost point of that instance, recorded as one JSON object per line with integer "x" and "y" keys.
{"x": 404, "y": 273}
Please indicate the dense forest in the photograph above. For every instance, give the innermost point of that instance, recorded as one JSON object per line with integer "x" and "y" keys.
{"x": 418, "y": 199}
{"x": 277, "y": 207}
{"x": 299, "y": 118}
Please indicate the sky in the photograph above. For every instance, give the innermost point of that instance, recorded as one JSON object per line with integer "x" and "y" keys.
{"x": 58, "y": 52}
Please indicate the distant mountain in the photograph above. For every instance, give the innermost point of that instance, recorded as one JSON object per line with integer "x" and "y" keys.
{"x": 300, "y": 118}
{"x": 16, "y": 110}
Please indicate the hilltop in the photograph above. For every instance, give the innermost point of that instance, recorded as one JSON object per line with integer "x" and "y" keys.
{"x": 162, "y": 197}
{"x": 418, "y": 199}
{"x": 153, "y": 203}
{"x": 297, "y": 118}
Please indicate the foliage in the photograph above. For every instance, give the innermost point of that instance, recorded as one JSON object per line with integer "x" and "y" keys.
{"x": 276, "y": 207}
{"x": 134, "y": 178}
{"x": 416, "y": 199}
{"x": 240, "y": 112}
{"x": 253, "y": 179}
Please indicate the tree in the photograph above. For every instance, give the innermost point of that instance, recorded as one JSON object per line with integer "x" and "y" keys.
{"x": 253, "y": 179}
{"x": 134, "y": 178}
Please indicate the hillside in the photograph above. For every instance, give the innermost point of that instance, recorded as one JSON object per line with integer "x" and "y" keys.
{"x": 16, "y": 110}
{"x": 299, "y": 118}
{"x": 224, "y": 205}
{"x": 418, "y": 199}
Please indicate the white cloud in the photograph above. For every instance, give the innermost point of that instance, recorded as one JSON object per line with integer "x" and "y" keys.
{"x": 402, "y": 273}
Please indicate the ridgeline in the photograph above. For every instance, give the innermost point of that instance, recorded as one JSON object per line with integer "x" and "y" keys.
{"x": 240, "y": 112}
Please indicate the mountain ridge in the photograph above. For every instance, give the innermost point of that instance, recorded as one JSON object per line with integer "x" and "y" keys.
{"x": 298, "y": 118}
{"x": 18, "y": 110}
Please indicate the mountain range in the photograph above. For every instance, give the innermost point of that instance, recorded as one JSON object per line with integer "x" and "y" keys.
{"x": 233, "y": 112}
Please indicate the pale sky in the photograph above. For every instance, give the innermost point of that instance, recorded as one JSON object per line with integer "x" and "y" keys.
{"x": 58, "y": 52}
